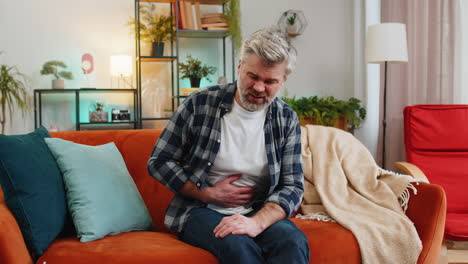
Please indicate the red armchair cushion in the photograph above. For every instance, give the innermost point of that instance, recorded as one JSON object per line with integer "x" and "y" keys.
{"x": 456, "y": 227}
{"x": 436, "y": 140}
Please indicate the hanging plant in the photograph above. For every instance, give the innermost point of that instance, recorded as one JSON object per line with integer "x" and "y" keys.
{"x": 232, "y": 15}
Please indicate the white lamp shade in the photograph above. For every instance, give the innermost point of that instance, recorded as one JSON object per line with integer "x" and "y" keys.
{"x": 386, "y": 42}
{"x": 121, "y": 65}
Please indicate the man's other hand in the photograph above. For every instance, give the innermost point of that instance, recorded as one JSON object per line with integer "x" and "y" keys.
{"x": 237, "y": 225}
{"x": 225, "y": 193}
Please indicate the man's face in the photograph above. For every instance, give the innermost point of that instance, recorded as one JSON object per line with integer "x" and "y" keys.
{"x": 258, "y": 83}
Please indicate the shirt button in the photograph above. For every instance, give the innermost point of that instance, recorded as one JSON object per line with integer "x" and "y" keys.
{"x": 209, "y": 163}
{"x": 219, "y": 140}
{"x": 198, "y": 184}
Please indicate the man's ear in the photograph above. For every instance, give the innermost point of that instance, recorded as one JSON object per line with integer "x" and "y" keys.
{"x": 238, "y": 65}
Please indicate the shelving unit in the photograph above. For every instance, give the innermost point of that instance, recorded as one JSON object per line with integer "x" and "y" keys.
{"x": 173, "y": 58}
{"x": 38, "y": 106}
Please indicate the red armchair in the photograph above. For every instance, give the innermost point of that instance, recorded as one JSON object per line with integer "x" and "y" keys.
{"x": 436, "y": 142}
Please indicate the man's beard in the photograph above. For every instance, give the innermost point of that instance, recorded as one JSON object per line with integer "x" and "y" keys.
{"x": 254, "y": 106}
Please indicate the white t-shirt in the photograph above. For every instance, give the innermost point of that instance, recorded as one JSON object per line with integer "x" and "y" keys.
{"x": 242, "y": 151}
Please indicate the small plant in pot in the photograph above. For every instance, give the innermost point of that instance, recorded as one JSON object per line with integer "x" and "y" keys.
{"x": 292, "y": 25}
{"x": 195, "y": 71}
{"x": 154, "y": 28}
{"x": 13, "y": 93}
{"x": 51, "y": 67}
{"x": 97, "y": 114}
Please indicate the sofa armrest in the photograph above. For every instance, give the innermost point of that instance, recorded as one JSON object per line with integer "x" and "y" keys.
{"x": 427, "y": 210}
{"x": 12, "y": 247}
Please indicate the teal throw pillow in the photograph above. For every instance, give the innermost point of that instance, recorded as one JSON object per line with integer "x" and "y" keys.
{"x": 33, "y": 188}
{"x": 101, "y": 195}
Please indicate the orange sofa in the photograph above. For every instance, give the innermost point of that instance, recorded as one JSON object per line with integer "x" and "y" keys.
{"x": 329, "y": 242}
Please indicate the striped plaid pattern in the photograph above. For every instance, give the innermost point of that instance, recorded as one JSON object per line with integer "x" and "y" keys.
{"x": 188, "y": 146}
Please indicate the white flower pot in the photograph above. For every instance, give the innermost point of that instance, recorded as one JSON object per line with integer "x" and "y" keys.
{"x": 293, "y": 29}
{"x": 58, "y": 84}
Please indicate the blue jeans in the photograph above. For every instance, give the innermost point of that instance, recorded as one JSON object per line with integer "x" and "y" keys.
{"x": 281, "y": 243}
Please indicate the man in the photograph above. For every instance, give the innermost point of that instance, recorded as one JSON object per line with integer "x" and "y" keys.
{"x": 232, "y": 155}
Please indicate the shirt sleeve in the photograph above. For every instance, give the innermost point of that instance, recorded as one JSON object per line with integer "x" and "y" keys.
{"x": 290, "y": 189}
{"x": 167, "y": 159}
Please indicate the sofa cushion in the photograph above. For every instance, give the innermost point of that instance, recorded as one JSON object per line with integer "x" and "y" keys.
{"x": 329, "y": 242}
{"x": 33, "y": 188}
{"x": 102, "y": 197}
{"x": 131, "y": 248}
{"x": 456, "y": 226}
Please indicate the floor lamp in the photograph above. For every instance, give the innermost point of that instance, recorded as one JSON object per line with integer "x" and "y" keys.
{"x": 385, "y": 43}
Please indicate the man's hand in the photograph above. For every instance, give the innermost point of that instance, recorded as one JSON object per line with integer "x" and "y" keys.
{"x": 237, "y": 225}
{"x": 252, "y": 226}
{"x": 225, "y": 193}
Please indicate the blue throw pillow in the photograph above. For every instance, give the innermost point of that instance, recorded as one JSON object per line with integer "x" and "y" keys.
{"x": 101, "y": 195}
{"x": 33, "y": 188}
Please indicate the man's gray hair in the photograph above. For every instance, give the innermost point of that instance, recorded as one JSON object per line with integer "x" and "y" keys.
{"x": 272, "y": 46}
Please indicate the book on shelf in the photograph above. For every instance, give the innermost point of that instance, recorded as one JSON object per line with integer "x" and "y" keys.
{"x": 179, "y": 13}
{"x": 190, "y": 17}
{"x": 189, "y": 14}
{"x": 197, "y": 7}
{"x": 216, "y": 28}
{"x": 223, "y": 24}
{"x": 213, "y": 15}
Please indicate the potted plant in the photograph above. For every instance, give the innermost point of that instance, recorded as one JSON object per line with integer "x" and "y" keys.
{"x": 328, "y": 111}
{"x": 13, "y": 93}
{"x": 292, "y": 25}
{"x": 97, "y": 115}
{"x": 154, "y": 28}
{"x": 195, "y": 71}
{"x": 51, "y": 67}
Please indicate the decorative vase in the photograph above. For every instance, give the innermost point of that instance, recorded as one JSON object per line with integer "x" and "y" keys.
{"x": 58, "y": 84}
{"x": 158, "y": 49}
{"x": 98, "y": 117}
{"x": 195, "y": 82}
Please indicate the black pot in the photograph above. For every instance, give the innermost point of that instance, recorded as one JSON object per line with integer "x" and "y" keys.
{"x": 195, "y": 82}
{"x": 158, "y": 49}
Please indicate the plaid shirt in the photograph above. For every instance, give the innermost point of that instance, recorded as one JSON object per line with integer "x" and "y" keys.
{"x": 187, "y": 149}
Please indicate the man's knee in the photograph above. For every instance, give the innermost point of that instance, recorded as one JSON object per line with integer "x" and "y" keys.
{"x": 237, "y": 243}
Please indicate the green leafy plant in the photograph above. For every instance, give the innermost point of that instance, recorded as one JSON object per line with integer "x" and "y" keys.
{"x": 292, "y": 19}
{"x": 232, "y": 15}
{"x": 13, "y": 93}
{"x": 153, "y": 27}
{"x": 51, "y": 67}
{"x": 325, "y": 110}
{"x": 99, "y": 106}
{"x": 194, "y": 69}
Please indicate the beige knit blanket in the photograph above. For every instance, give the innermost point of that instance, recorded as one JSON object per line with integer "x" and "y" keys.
{"x": 343, "y": 181}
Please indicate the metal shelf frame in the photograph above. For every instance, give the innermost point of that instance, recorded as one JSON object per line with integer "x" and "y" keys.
{"x": 39, "y": 93}
{"x": 174, "y": 54}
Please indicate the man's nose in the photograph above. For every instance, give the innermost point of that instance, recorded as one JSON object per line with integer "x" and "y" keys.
{"x": 259, "y": 87}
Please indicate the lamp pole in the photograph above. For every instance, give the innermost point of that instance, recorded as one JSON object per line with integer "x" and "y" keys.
{"x": 384, "y": 119}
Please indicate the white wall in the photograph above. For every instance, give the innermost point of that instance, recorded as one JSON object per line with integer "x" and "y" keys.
{"x": 325, "y": 49}
{"x": 32, "y": 32}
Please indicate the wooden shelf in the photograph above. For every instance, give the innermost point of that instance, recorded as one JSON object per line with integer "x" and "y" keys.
{"x": 158, "y": 1}
{"x": 108, "y": 123}
{"x": 186, "y": 33}
{"x": 157, "y": 59}
{"x": 209, "y": 2}
{"x": 155, "y": 118}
